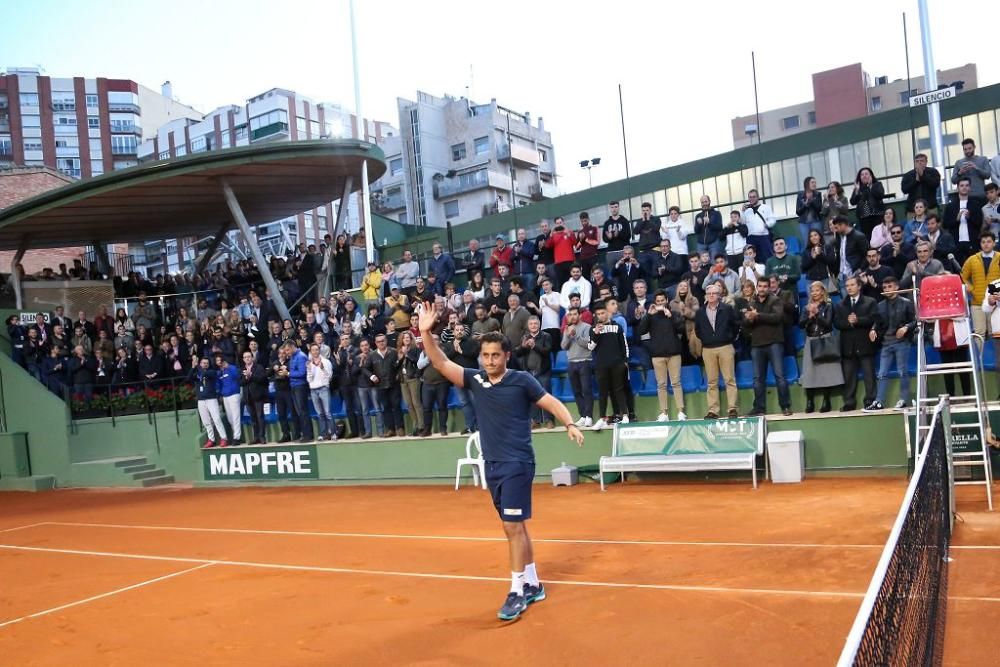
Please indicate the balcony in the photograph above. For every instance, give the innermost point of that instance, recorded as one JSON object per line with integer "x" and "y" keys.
{"x": 269, "y": 131}
{"x": 543, "y": 190}
{"x": 385, "y": 203}
{"x": 126, "y": 128}
{"x": 524, "y": 156}
{"x": 124, "y": 107}
{"x": 468, "y": 182}
{"x": 124, "y": 150}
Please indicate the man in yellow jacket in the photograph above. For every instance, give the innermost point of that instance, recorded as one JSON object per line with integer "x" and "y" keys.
{"x": 978, "y": 271}
{"x": 371, "y": 283}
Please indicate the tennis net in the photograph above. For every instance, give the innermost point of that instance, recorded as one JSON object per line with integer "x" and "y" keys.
{"x": 902, "y": 618}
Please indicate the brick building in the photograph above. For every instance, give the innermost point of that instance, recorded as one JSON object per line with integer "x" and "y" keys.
{"x": 18, "y": 184}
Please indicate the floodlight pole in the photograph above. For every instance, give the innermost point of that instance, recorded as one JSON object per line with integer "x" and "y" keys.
{"x": 258, "y": 256}
{"x": 933, "y": 110}
{"x": 366, "y": 215}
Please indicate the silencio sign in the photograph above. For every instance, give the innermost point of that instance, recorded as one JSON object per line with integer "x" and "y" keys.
{"x": 260, "y": 463}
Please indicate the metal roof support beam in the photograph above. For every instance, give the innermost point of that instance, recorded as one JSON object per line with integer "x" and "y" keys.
{"x": 338, "y": 228}
{"x": 101, "y": 257}
{"x": 15, "y": 275}
{"x": 258, "y": 256}
{"x": 213, "y": 247}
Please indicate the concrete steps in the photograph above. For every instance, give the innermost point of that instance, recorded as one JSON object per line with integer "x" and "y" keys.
{"x": 123, "y": 471}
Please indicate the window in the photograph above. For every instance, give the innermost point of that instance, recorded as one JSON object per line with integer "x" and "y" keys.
{"x": 396, "y": 166}
{"x": 812, "y": 117}
{"x": 28, "y": 146}
{"x": 29, "y": 99}
{"x": 126, "y": 145}
{"x": 482, "y": 145}
{"x": 393, "y": 192}
{"x": 876, "y": 103}
{"x": 458, "y": 152}
{"x": 451, "y": 209}
{"x": 789, "y": 123}
{"x": 543, "y": 155}
{"x": 314, "y": 128}
{"x": 241, "y": 132}
{"x": 91, "y": 101}
{"x": 270, "y": 118}
{"x": 93, "y": 122}
{"x": 226, "y": 138}
{"x": 164, "y": 155}
{"x": 403, "y": 218}
{"x": 65, "y": 120}
{"x": 198, "y": 145}
{"x": 904, "y": 97}
{"x": 31, "y": 121}
{"x": 63, "y": 101}
{"x": 180, "y": 150}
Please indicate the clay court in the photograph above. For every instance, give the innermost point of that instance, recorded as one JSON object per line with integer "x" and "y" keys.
{"x": 642, "y": 574}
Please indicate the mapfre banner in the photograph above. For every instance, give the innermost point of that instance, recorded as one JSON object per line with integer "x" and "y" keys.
{"x": 250, "y": 463}
{"x": 695, "y": 436}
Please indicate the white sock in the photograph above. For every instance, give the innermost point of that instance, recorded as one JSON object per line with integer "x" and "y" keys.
{"x": 517, "y": 582}
{"x": 530, "y": 575}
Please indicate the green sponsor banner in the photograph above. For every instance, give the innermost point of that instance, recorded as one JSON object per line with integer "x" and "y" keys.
{"x": 964, "y": 441}
{"x": 695, "y": 436}
{"x": 249, "y": 463}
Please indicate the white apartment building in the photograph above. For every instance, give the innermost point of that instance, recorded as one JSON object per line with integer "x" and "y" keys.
{"x": 455, "y": 161}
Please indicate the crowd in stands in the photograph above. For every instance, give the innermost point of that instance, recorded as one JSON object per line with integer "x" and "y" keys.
{"x": 591, "y": 301}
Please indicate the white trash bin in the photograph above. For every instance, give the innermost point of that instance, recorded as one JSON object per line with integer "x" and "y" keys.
{"x": 564, "y": 475}
{"x": 785, "y": 452}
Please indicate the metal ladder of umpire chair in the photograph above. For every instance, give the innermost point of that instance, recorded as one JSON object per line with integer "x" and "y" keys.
{"x": 939, "y": 298}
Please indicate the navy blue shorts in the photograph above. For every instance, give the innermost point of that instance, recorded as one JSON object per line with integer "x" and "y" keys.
{"x": 510, "y": 483}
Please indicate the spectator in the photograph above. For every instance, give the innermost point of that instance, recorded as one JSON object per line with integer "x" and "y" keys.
{"x": 662, "y": 327}
{"x": 434, "y": 394}
{"x": 834, "y": 204}
{"x": 895, "y": 324}
{"x": 765, "y": 319}
{"x": 125, "y": 370}
{"x": 647, "y": 229}
{"x": 974, "y": 167}
{"x": 543, "y": 254}
{"x": 921, "y": 184}
{"x": 576, "y": 342}
{"x": 407, "y": 273}
{"x": 898, "y": 253}
{"x": 820, "y": 371}
{"x": 524, "y": 254}
{"x": 708, "y": 229}
{"x": 145, "y": 312}
{"x": 151, "y": 365}
{"x": 34, "y": 351}
{"x": 409, "y": 379}
{"x": 750, "y": 269}
{"x": 81, "y": 369}
{"x": 388, "y": 278}
{"x": 668, "y": 269}
{"x": 867, "y": 197}
{"x": 916, "y": 226}
{"x": 989, "y": 307}
{"x": 849, "y": 247}
{"x": 464, "y": 351}
{"x": 675, "y": 229}
{"x": 721, "y": 273}
{"x": 205, "y": 380}
{"x": 882, "y": 234}
{"x": 562, "y": 243}
{"x": 942, "y": 243}
{"x": 88, "y": 327}
{"x": 371, "y": 283}
{"x": 687, "y": 307}
{"x": 576, "y": 283}
{"x": 735, "y": 239}
{"x": 17, "y": 334}
{"x": 628, "y": 269}
{"x": 342, "y": 361}
{"x": 923, "y": 265}
{"x": 549, "y": 304}
{"x": 809, "y": 207}
{"x": 759, "y": 219}
{"x": 421, "y": 292}
{"x": 299, "y": 385}
{"x": 515, "y": 320}
{"x": 873, "y": 275}
{"x": 607, "y": 341}
{"x": 695, "y": 275}
{"x": 82, "y": 339}
{"x": 854, "y": 318}
{"x": 617, "y": 231}
{"x": 398, "y": 307}
{"x": 534, "y": 350}
{"x": 383, "y": 368}
{"x": 585, "y": 313}
{"x": 717, "y": 326}
{"x": 54, "y": 370}
{"x": 341, "y": 252}
{"x": 586, "y": 242}
{"x": 502, "y": 255}
{"x": 598, "y": 281}
{"x": 496, "y": 300}
{"x": 819, "y": 262}
{"x": 963, "y": 217}
{"x": 309, "y": 266}
{"x": 980, "y": 270}
{"x": 59, "y": 316}
{"x": 319, "y": 374}
{"x": 254, "y": 380}
{"x": 368, "y": 400}
{"x": 991, "y": 209}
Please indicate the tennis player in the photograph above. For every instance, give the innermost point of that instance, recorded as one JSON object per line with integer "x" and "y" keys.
{"x": 503, "y": 400}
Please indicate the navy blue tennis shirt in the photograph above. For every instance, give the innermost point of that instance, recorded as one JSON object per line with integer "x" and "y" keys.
{"x": 504, "y": 413}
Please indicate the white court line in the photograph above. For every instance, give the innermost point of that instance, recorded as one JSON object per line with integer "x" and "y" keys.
{"x": 431, "y": 575}
{"x": 975, "y": 547}
{"x": 104, "y": 595}
{"x": 460, "y": 538}
{"x": 30, "y": 525}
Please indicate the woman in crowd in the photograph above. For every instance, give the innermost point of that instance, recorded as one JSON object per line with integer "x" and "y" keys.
{"x": 809, "y": 207}
{"x": 388, "y": 275}
{"x": 915, "y": 228}
{"x": 742, "y": 303}
{"x": 341, "y": 263}
{"x": 409, "y": 379}
{"x": 834, "y": 204}
{"x": 122, "y": 319}
{"x": 819, "y": 261}
{"x": 371, "y": 283}
{"x": 477, "y": 286}
{"x": 867, "y": 197}
{"x": 686, "y": 305}
{"x": 824, "y": 372}
{"x": 881, "y": 235}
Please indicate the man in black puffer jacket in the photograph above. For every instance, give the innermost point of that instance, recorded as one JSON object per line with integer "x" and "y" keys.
{"x": 663, "y": 342}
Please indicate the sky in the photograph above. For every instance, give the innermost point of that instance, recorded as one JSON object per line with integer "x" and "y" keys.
{"x": 684, "y": 67}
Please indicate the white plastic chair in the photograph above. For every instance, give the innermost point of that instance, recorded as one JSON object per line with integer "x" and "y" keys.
{"x": 477, "y": 462}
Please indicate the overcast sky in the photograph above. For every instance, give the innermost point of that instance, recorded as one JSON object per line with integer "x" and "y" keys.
{"x": 684, "y": 66}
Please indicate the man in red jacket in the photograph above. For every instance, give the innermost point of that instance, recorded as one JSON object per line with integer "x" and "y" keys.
{"x": 502, "y": 254}
{"x": 561, "y": 243}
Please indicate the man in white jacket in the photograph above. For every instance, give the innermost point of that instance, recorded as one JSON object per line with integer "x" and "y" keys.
{"x": 576, "y": 283}
{"x": 319, "y": 373}
{"x": 759, "y": 219}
